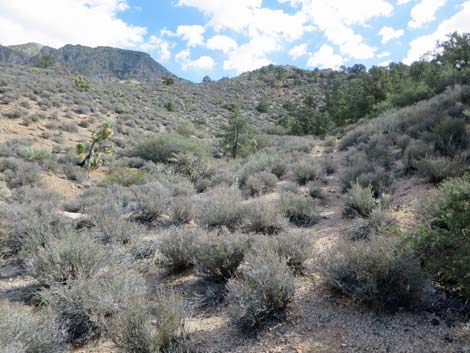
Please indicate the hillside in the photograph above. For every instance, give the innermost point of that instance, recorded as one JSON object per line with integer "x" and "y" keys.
{"x": 126, "y": 88}
{"x": 140, "y": 214}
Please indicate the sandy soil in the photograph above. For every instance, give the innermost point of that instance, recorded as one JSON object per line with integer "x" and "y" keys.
{"x": 318, "y": 321}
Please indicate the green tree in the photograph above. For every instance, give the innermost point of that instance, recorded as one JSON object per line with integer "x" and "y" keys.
{"x": 81, "y": 83}
{"x": 237, "y": 136}
{"x": 455, "y": 53}
{"x": 45, "y": 61}
{"x": 99, "y": 144}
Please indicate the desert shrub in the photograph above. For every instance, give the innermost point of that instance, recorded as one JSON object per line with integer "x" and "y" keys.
{"x": 294, "y": 248}
{"x": 181, "y": 210}
{"x": 414, "y": 152}
{"x": 153, "y": 200}
{"x": 362, "y": 171}
{"x": 381, "y": 272}
{"x": 176, "y": 248}
{"x": 264, "y": 216}
{"x": 305, "y": 172}
{"x": 148, "y": 327}
{"x": 260, "y": 183}
{"x": 190, "y": 165}
{"x": 222, "y": 208}
{"x": 31, "y": 154}
{"x": 436, "y": 169}
{"x": 379, "y": 219}
{"x": 84, "y": 306}
{"x": 261, "y": 291}
{"x": 328, "y": 165}
{"x": 220, "y": 255}
{"x": 450, "y": 136}
{"x": 69, "y": 127}
{"x": 330, "y": 142}
{"x": 258, "y": 162}
{"x": 280, "y": 169}
{"x": 127, "y": 177}
{"x": 164, "y": 147}
{"x": 65, "y": 257}
{"x": 443, "y": 243}
{"x": 360, "y": 201}
{"x": 73, "y": 317}
{"x": 299, "y": 210}
{"x": 315, "y": 190}
{"x": 74, "y": 173}
{"x": 111, "y": 229}
{"x": 25, "y": 331}
{"x": 19, "y": 173}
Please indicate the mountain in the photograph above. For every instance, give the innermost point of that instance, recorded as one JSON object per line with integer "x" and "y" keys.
{"x": 97, "y": 63}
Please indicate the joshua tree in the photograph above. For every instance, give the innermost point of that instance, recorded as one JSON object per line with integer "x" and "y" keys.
{"x": 81, "y": 83}
{"x": 99, "y": 144}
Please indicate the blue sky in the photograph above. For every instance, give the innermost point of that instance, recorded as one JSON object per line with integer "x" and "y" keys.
{"x": 194, "y": 38}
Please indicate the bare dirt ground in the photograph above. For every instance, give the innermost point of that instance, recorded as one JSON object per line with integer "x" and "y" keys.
{"x": 319, "y": 321}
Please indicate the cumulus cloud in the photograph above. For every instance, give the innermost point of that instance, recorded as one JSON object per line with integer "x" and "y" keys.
{"x": 258, "y": 23}
{"x": 221, "y": 42}
{"x": 298, "y": 51}
{"x": 335, "y": 18}
{"x": 460, "y": 22}
{"x": 403, "y": 2}
{"x": 202, "y": 63}
{"x": 388, "y": 33}
{"x": 383, "y": 54}
{"x": 194, "y": 35}
{"x": 59, "y": 22}
{"x": 424, "y": 12}
{"x": 158, "y": 45}
{"x": 325, "y": 57}
{"x": 252, "y": 55}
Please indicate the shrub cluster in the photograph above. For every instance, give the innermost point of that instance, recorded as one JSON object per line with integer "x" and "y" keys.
{"x": 299, "y": 210}
{"x": 261, "y": 291}
{"x": 381, "y": 272}
{"x": 443, "y": 243}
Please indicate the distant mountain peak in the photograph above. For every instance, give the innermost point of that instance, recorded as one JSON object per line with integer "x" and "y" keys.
{"x": 100, "y": 62}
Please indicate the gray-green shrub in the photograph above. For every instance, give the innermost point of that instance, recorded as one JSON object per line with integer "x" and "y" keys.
{"x": 299, "y": 210}
{"x": 25, "y": 331}
{"x": 176, "y": 248}
{"x": 381, "y": 272}
{"x": 261, "y": 291}
{"x": 264, "y": 216}
{"x": 220, "y": 254}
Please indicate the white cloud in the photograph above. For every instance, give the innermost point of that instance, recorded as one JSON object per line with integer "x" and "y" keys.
{"x": 202, "y": 63}
{"x": 383, "y": 54}
{"x": 252, "y": 55}
{"x": 161, "y": 46}
{"x": 298, "y": 51}
{"x": 249, "y": 17}
{"x": 388, "y": 33}
{"x": 403, "y": 2}
{"x": 334, "y": 18}
{"x": 460, "y": 22}
{"x": 385, "y": 63}
{"x": 325, "y": 57}
{"x": 424, "y": 12}
{"x": 59, "y": 22}
{"x": 220, "y": 42}
{"x": 194, "y": 35}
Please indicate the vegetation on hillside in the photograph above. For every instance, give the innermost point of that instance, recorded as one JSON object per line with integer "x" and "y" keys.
{"x": 215, "y": 216}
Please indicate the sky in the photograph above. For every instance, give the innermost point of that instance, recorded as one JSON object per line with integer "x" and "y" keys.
{"x": 223, "y": 38}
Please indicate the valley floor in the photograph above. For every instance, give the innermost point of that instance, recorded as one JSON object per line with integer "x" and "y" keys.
{"x": 318, "y": 320}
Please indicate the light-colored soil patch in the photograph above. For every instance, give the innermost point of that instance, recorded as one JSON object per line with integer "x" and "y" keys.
{"x": 63, "y": 186}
